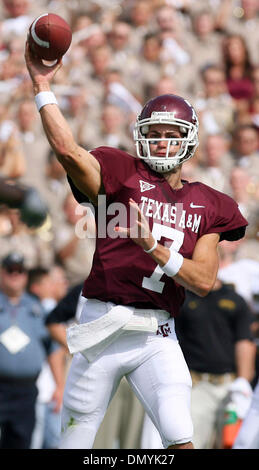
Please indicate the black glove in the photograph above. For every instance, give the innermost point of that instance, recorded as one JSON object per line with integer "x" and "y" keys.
{"x": 33, "y": 209}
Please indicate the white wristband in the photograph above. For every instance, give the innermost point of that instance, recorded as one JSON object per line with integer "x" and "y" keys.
{"x": 152, "y": 249}
{"x": 45, "y": 97}
{"x": 174, "y": 264}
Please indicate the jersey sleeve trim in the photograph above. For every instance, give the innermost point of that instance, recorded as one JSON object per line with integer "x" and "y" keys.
{"x": 230, "y": 235}
{"x": 78, "y": 195}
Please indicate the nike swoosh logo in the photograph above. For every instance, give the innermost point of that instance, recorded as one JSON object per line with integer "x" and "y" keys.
{"x": 194, "y": 206}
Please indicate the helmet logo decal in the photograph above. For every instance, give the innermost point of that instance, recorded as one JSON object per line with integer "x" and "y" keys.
{"x": 164, "y": 114}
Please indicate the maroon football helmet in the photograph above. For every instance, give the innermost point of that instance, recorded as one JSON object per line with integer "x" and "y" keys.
{"x": 173, "y": 110}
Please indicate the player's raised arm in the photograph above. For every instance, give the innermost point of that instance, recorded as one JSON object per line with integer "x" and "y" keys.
{"x": 79, "y": 164}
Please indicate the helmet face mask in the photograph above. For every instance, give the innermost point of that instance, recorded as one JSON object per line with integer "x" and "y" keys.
{"x": 170, "y": 110}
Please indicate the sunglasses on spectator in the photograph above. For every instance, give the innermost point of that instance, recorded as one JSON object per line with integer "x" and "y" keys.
{"x": 15, "y": 269}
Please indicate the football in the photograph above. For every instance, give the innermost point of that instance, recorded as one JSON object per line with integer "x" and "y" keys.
{"x": 49, "y": 36}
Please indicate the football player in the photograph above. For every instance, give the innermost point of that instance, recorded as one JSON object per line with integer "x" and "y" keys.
{"x": 163, "y": 241}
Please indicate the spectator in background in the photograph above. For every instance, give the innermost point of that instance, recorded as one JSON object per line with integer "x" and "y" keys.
{"x": 199, "y": 4}
{"x": 34, "y": 148}
{"x": 75, "y": 240}
{"x": 87, "y": 36}
{"x": 241, "y": 20}
{"x": 49, "y": 287}
{"x": 117, "y": 93}
{"x": 12, "y": 158}
{"x": 243, "y": 190}
{"x": 101, "y": 61}
{"x": 170, "y": 24}
{"x": 12, "y": 161}
{"x": 241, "y": 273}
{"x": 216, "y": 163}
{"x": 204, "y": 42}
{"x": 238, "y": 67}
{"x": 213, "y": 102}
{"x": 24, "y": 345}
{"x": 174, "y": 56}
{"x": 32, "y": 244}
{"x": 253, "y": 115}
{"x": 164, "y": 85}
{"x": 55, "y": 189}
{"x": 17, "y": 17}
{"x": 150, "y": 63}
{"x": 57, "y": 6}
{"x": 8, "y": 127}
{"x": 113, "y": 129}
{"x": 245, "y": 149}
{"x": 123, "y": 58}
{"x": 5, "y": 224}
{"x": 67, "y": 310}
{"x": 255, "y": 79}
{"x": 8, "y": 79}
{"x": 60, "y": 286}
{"x": 95, "y": 37}
{"x": 140, "y": 17}
{"x": 12, "y": 72}
{"x": 250, "y": 247}
{"x": 168, "y": 20}
{"x": 77, "y": 106}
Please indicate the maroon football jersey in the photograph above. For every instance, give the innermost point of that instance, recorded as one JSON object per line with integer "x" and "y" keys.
{"x": 122, "y": 272}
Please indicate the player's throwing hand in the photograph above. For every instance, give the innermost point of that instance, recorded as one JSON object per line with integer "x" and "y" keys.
{"x": 38, "y": 71}
{"x": 139, "y": 231}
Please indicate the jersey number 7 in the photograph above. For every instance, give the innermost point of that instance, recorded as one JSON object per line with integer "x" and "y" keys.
{"x": 153, "y": 282}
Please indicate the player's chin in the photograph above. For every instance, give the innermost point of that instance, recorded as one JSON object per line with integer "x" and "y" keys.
{"x": 163, "y": 155}
{"x": 175, "y": 169}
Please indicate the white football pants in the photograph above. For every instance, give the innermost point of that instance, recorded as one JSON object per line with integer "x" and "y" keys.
{"x": 155, "y": 369}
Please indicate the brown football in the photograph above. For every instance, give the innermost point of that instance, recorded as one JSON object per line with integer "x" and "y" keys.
{"x": 49, "y": 36}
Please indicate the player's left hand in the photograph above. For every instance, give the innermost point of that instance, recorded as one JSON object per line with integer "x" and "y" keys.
{"x": 139, "y": 231}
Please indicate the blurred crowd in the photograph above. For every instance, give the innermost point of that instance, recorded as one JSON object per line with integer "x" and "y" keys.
{"x": 123, "y": 53}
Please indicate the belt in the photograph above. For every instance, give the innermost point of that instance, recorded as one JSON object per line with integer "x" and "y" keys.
{"x": 215, "y": 379}
{"x": 93, "y": 337}
{"x": 146, "y": 319}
